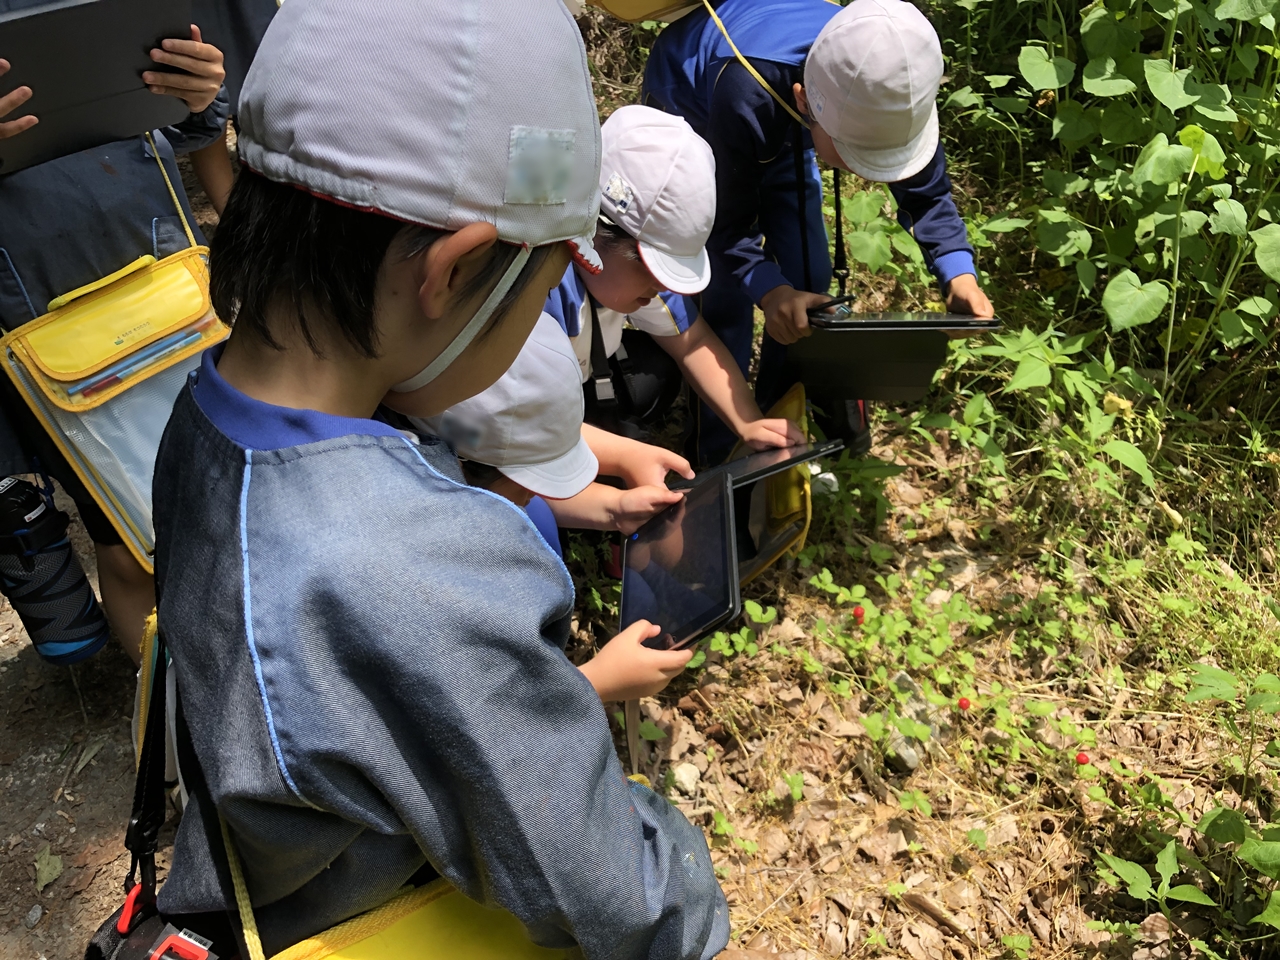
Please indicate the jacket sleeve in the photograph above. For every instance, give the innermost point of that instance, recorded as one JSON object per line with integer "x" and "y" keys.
{"x": 200, "y": 129}
{"x": 927, "y": 212}
{"x": 747, "y": 129}
{"x": 504, "y": 767}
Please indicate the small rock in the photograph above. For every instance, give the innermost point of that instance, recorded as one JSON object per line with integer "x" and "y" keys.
{"x": 825, "y": 484}
{"x": 33, "y": 916}
{"x": 686, "y": 778}
{"x": 937, "y": 597}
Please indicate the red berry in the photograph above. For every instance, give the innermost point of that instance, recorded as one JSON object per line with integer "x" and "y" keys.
{"x": 859, "y": 613}
{"x": 963, "y": 703}
{"x": 1082, "y": 758}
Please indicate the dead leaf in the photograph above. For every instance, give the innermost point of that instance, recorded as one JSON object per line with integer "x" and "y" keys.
{"x": 774, "y": 844}
{"x": 89, "y": 753}
{"x": 83, "y": 881}
{"x": 788, "y": 631}
{"x": 48, "y": 868}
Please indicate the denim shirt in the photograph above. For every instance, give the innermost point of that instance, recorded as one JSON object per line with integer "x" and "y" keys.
{"x": 369, "y": 656}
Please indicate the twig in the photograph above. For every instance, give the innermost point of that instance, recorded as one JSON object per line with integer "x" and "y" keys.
{"x": 782, "y": 896}
{"x": 75, "y": 681}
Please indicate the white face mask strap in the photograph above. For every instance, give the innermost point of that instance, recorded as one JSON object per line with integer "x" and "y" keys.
{"x": 471, "y": 330}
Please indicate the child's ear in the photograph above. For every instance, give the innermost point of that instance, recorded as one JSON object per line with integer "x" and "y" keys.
{"x": 449, "y": 263}
{"x": 802, "y": 102}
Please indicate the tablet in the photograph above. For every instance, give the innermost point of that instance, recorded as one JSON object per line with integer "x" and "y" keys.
{"x": 765, "y": 463}
{"x": 868, "y": 363}
{"x": 947, "y": 322}
{"x": 680, "y": 570}
{"x": 83, "y": 60}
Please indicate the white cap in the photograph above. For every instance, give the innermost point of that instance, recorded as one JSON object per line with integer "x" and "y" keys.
{"x": 872, "y": 79}
{"x": 529, "y": 423}
{"x": 437, "y": 112}
{"x": 658, "y": 183}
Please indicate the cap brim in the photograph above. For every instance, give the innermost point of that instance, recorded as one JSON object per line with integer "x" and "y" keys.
{"x": 685, "y": 275}
{"x": 565, "y": 476}
{"x": 895, "y": 163}
{"x": 585, "y": 255}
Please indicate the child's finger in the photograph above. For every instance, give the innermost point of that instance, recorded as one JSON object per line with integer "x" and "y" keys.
{"x": 194, "y": 49}
{"x": 196, "y": 66}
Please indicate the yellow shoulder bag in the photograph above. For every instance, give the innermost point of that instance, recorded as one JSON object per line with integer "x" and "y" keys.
{"x": 102, "y": 368}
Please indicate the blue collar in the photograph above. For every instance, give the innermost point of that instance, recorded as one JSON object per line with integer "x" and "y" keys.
{"x": 265, "y": 426}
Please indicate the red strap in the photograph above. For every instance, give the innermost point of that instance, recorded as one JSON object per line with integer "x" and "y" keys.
{"x": 180, "y": 947}
{"x": 130, "y": 910}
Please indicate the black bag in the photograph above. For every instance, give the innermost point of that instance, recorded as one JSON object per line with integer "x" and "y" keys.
{"x": 628, "y": 392}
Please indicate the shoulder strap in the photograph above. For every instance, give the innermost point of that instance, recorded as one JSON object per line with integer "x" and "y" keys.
{"x": 601, "y": 374}
{"x": 173, "y": 194}
{"x": 752, "y": 70}
{"x": 248, "y": 924}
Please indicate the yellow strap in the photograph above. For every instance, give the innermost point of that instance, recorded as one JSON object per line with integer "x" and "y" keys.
{"x": 145, "y": 681}
{"x": 247, "y": 923}
{"x": 173, "y": 194}
{"x": 752, "y": 70}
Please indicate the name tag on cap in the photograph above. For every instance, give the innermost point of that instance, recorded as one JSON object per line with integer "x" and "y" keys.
{"x": 539, "y": 165}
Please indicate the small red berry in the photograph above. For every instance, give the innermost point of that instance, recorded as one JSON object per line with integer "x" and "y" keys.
{"x": 859, "y": 613}
{"x": 1082, "y": 758}
{"x": 963, "y": 703}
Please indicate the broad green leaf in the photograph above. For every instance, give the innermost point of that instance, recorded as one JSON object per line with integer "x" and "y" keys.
{"x": 1102, "y": 33}
{"x": 1268, "y": 682}
{"x": 1133, "y": 458}
{"x": 871, "y": 248}
{"x": 1263, "y": 702}
{"x": 997, "y": 80}
{"x": 651, "y": 731}
{"x": 1043, "y": 72}
{"x": 1222, "y": 823}
{"x": 1004, "y": 225}
{"x": 1213, "y": 101}
{"x": 1262, "y": 855}
{"x": 1210, "y": 159}
{"x": 1167, "y": 865}
{"x": 1244, "y": 9}
{"x": 1121, "y": 123}
{"x": 1031, "y": 372}
{"x": 864, "y": 206}
{"x": 1271, "y": 915}
{"x": 977, "y": 837}
{"x": 48, "y": 867}
{"x": 1102, "y": 78}
{"x": 1256, "y": 306}
{"x": 1161, "y": 162}
{"x": 1071, "y": 124}
{"x": 1188, "y": 893}
{"x": 1268, "y": 252}
{"x": 1167, "y": 84}
{"x": 1229, "y": 217}
{"x": 1134, "y": 876}
{"x": 1061, "y": 234}
{"x": 1213, "y": 683}
{"x": 1017, "y": 105}
{"x": 1128, "y": 302}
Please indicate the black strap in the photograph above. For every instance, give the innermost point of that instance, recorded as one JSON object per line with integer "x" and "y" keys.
{"x": 147, "y": 816}
{"x": 800, "y": 201}
{"x": 601, "y": 379}
{"x": 841, "y": 266}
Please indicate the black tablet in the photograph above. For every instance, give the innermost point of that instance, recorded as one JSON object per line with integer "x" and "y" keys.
{"x": 765, "y": 463}
{"x": 83, "y": 60}
{"x": 868, "y": 363}
{"x": 842, "y": 319}
{"x": 680, "y": 569}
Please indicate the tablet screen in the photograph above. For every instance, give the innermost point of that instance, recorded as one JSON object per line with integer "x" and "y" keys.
{"x": 678, "y": 570}
{"x": 756, "y": 466}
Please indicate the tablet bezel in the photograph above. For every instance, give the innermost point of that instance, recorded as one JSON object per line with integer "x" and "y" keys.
{"x": 811, "y": 451}
{"x": 693, "y": 632}
{"x": 944, "y": 322}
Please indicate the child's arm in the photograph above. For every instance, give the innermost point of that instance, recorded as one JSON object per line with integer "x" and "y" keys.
{"x": 639, "y": 464}
{"x": 710, "y": 369}
{"x": 625, "y": 669}
{"x": 601, "y": 507}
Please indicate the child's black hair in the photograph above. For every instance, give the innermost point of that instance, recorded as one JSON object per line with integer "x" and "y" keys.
{"x": 479, "y": 474}
{"x": 279, "y": 246}
{"x": 611, "y": 237}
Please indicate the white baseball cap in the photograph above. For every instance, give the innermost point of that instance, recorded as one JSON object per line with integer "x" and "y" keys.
{"x": 485, "y": 114}
{"x": 872, "y": 80}
{"x": 658, "y": 183}
{"x": 529, "y": 423}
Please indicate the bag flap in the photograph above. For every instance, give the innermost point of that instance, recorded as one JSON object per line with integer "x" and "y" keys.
{"x": 107, "y": 324}
{"x": 633, "y": 11}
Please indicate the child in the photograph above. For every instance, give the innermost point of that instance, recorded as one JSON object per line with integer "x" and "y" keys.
{"x": 658, "y": 183}
{"x": 871, "y": 71}
{"x": 369, "y": 652}
{"x": 521, "y": 439}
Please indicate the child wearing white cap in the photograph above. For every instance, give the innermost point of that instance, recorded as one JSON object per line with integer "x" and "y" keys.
{"x": 768, "y": 81}
{"x": 370, "y": 652}
{"x": 657, "y": 179}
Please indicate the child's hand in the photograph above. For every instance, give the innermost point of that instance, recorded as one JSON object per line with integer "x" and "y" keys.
{"x": 647, "y": 465}
{"x": 12, "y": 101}
{"x": 633, "y": 507}
{"x": 965, "y": 296}
{"x": 763, "y": 434}
{"x": 204, "y": 73}
{"x": 625, "y": 669}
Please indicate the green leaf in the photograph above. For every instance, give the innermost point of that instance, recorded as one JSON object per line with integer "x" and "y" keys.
{"x": 997, "y": 80}
{"x": 1161, "y": 162}
{"x": 1223, "y": 825}
{"x": 1031, "y": 372}
{"x": 1071, "y": 124}
{"x": 1263, "y": 702}
{"x": 1167, "y": 84}
{"x": 1212, "y": 683}
{"x": 1213, "y": 100}
{"x": 1229, "y": 217}
{"x": 1042, "y": 72}
{"x": 1188, "y": 893}
{"x": 795, "y": 782}
{"x": 1271, "y": 915}
{"x": 871, "y": 248}
{"x": 864, "y": 206}
{"x": 1167, "y": 866}
{"x": 1004, "y": 225}
{"x": 1133, "y": 458}
{"x": 1134, "y": 876}
{"x": 1128, "y": 302}
{"x": 978, "y": 838}
{"x": 1244, "y": 9}
{"x": 651, "y": 731}
{"x": 48, "y": 867}
{"x": 1210, "y": 157}
{"x": 1121, "y": 123}
{"x": 1262, "y": 855}
{"x": 1102, "y": 34}
{"x": 1268, "y": 252}
{"x": 1102, "y": 78}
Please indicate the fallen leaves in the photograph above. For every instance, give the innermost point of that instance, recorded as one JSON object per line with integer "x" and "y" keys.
{"x": 48, "y": 867}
